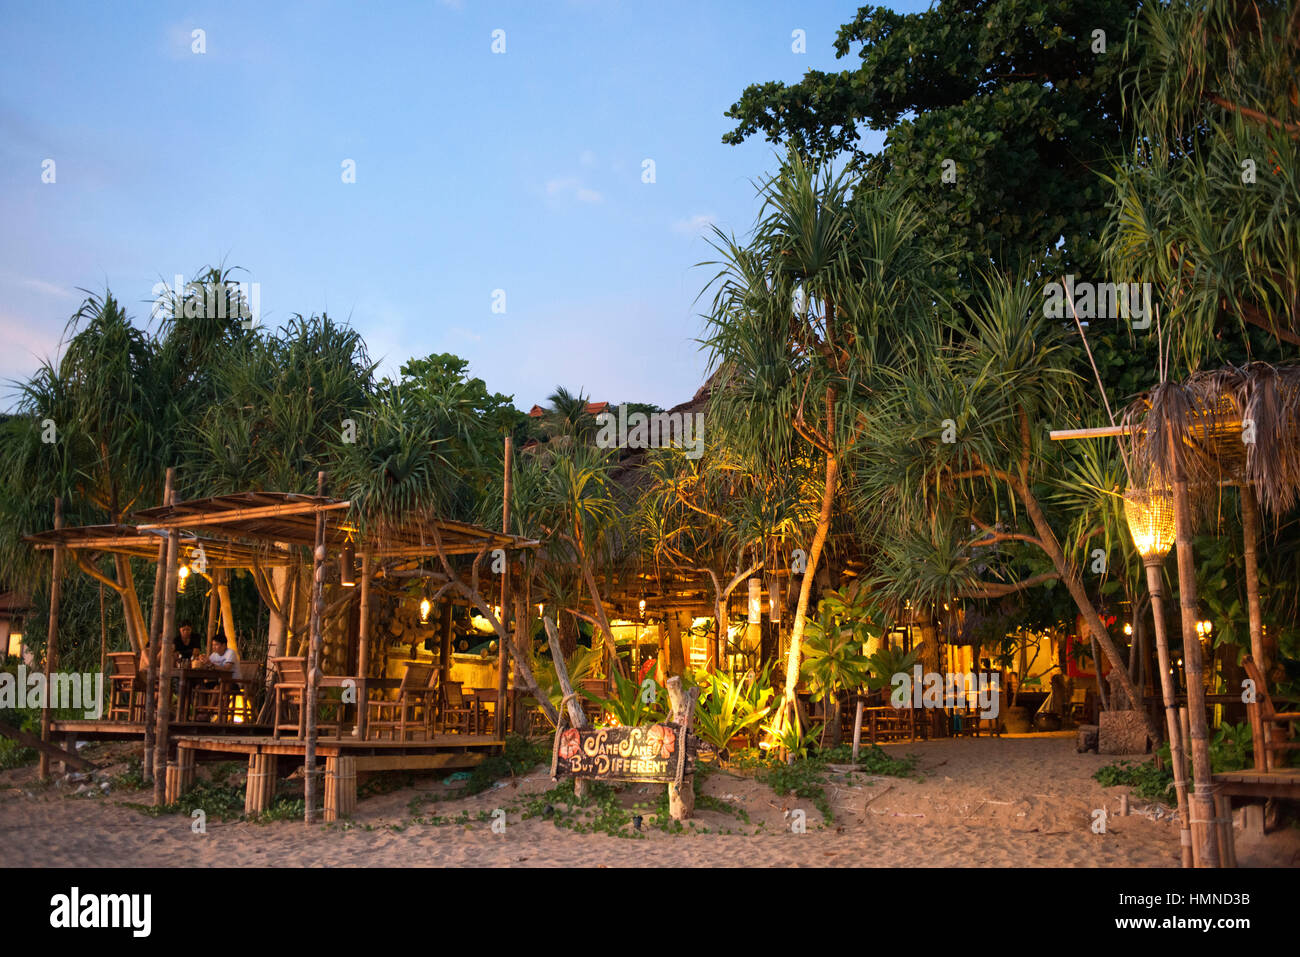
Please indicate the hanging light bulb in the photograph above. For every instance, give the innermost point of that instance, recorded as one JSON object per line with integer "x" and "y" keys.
{"x": 425, "y": 608}
{"x": 346, "y": 576}
{"x": 182, "y": 578}
{"x": 641, "y": 607}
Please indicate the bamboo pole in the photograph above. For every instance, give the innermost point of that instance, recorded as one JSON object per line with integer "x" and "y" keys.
{"x": 214, "y": 605}
{"x": 51, "y": 641}
{"x": 363, "y": 640}
{"x": 1155, "y": 586}
{"x": 243, "y": 515}
{"x": 166, "y": 646}
{"x": 1202, "y": 801}
{"x": 103, "y": 634}
{"x": 503, "y": 657}
{"x": 155, "y": 639}
{"x": 313, "y": 658}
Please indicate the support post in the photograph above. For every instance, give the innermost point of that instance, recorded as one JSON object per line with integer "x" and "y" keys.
{"x": 154, "y": 640}
{"x": 681, "y": 798}
{"x": 1202, "y": 798}
{"x": 313, "y": 658}
{"x": 503, "y": 656}
{"x": 166, "y": 651}
{"x": 51, "y": 639}
{"x": 1155, "y": 586}
{"x": 363, "y": 640}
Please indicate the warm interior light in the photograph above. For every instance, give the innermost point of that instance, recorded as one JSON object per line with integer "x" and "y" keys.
{"x": 15, "y": 644}
{"x": 1128, "y": 629}
{"x": 182, "y": 577}
{"x": 425, "y": 608}
{"x": 641, "y": 606}
{"x": 1150, "y": 514}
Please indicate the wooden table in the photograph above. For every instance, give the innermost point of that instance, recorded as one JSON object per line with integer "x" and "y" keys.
{"x": 479, "y": 699}
{"x": 187, "y": 678}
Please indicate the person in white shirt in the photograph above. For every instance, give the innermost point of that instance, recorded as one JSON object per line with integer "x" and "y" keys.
{"x": 223, "y": 656}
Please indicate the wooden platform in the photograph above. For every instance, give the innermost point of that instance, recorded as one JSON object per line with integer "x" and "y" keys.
{"x": 1280, "y": 783}
{"x": 440, "y": 751}
{"x": 127, "y": 730}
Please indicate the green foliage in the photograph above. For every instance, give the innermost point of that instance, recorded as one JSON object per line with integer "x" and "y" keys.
{"x": 1012, "y": 92}
{"x": 627, "y": 702}
{"x": 730, "y": 706}
{"x": 833, "y": 644}
{"x": 1231, "y": 749}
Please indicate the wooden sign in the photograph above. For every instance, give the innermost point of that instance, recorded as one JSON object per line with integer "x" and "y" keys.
{"x": 658, "y": 753}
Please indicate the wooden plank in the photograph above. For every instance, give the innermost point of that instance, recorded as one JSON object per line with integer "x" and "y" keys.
{"x": 71, "y": 758}
{"x": 417, "y": 762}
{"x": 192, "y": 520}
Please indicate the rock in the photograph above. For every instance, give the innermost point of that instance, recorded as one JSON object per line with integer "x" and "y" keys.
{"x": 1121, "y": 732}
{"x": 1087, "y": 738}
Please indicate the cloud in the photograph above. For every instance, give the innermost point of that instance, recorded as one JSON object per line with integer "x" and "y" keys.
{"x": 49, "y": 288}
{"x": 571, "y": 187}
{"x": 697, "y": 225}
{"x": 587, "y": 158}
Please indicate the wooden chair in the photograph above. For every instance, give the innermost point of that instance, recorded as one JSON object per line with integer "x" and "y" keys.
{"x": 595, "y": 686}
{"x": 1269, "y": 727}
{"x": 456, "y": 713}
{"x": 290, "y": 692}
{"x": 126, "y": 690}
{"x": 410, "y": 714}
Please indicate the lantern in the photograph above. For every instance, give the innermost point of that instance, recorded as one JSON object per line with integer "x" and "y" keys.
{"x": 347, "y": 578}
{"x": 755, "y": 601}
{"x": 182, "y": 578}
{"x": 1150, "y": 514}
{"x": 425, "y": 608}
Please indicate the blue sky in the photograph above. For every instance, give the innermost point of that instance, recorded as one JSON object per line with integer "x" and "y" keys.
{"x": 475, "y": 171}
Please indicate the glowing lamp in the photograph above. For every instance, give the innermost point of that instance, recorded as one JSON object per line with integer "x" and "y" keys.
{"x": 347, "y": 578}
{"x": 425, "y": 608}
{"x": 1128, "y": 628}
{"x": 182, "y": 578}
{"x": 755, "y": 601}
{"x": 1150, "y": 515}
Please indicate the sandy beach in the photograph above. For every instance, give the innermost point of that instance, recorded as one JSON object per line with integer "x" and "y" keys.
{"x": 986, "y": 802}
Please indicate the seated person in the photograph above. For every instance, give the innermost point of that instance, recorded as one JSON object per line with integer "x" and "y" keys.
{"x": 222, "y": 656}
{"x": 187, "y": 643}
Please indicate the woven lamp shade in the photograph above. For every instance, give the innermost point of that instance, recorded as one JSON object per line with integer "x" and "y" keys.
{"x": 1150, "y": 514}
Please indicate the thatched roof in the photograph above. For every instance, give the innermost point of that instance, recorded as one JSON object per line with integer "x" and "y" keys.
{"x": 290, "y": 518}
{"x": 1235, "y": 425}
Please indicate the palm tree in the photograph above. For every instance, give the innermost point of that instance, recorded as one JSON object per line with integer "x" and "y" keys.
{"x": 831, "y": 289}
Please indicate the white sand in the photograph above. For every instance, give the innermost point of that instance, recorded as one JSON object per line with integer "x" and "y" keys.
{"x": 985, "y": 802}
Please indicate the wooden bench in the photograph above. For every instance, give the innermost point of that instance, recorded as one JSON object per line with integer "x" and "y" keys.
{"x": 1271, "y": 778}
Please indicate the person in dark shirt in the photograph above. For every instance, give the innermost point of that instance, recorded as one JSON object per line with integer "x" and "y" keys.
{"x": 187, "y": 643}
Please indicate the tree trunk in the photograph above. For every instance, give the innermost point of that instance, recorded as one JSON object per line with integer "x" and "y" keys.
{"x": 676, "y": 652}
{"x": 805, "y": 591}
{"x": 1250, "y": 530}
{"x": 1074, "y": 584}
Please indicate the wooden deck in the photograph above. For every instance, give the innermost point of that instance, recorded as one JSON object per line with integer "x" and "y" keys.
{"x": 440, "y": 751}
{"x": 1281, "y": 783}
{"x": 103, "y": 730}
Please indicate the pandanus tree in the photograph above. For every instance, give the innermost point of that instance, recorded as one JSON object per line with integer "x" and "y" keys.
{"x": 959, "y": 456}
{"x": 286, "y": 406}
{"x": 723, "y": 517}
{"x": 830, "y": 288}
